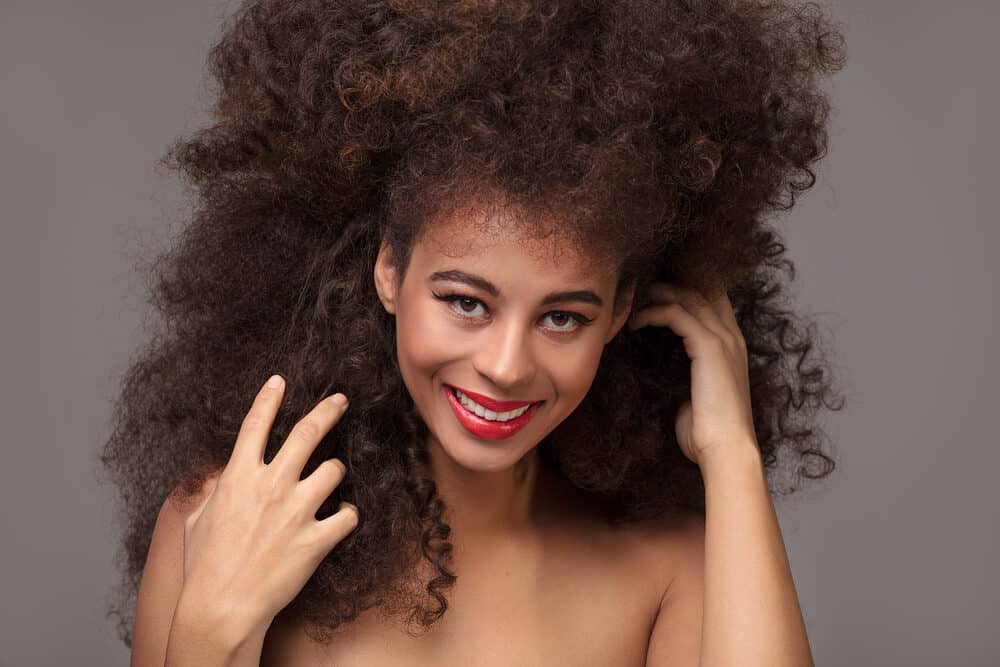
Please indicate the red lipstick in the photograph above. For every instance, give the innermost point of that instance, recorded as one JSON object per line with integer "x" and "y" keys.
{"x": 485, "y": 428}
{"x": 491, "y": 404}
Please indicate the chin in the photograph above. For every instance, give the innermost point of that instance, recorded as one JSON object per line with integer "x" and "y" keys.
{"x": 477, "y": 455}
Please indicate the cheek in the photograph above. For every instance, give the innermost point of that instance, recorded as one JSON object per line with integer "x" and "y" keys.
{"x": 574, "y": 373}
{"x": 426, "y": 340}
{"x": 421, "y": 341}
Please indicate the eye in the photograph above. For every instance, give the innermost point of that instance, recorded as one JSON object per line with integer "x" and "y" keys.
{"x": 563, "y": 321}
{"x": 460, "y": 303}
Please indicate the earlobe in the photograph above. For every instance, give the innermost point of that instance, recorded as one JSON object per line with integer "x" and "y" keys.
{"x": 385, "y": 279}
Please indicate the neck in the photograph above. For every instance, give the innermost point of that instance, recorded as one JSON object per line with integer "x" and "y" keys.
{"x": 488, "y": 506}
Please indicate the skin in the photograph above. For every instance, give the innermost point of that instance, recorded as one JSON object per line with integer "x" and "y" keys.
{"x": 508, "y": 347}
{"x": 415, "y": 106}
{"x": 252, "y": 543}
{"x": 540, "y": 578}
{"x": 523, "y": 538}
{"x": 751, "y": 611}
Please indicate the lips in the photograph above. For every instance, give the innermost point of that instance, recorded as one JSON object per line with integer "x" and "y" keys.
{"x": 485, "y": 428}
{"x": 492, "y": 404}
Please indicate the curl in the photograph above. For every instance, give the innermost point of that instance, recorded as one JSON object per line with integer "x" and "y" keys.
{"x": 663, "y": 134}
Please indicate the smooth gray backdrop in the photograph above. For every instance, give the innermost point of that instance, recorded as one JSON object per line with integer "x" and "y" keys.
{"x": 894, "y": 556}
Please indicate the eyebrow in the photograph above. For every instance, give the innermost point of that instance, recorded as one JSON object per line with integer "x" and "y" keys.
{"x": 454, "y": 275}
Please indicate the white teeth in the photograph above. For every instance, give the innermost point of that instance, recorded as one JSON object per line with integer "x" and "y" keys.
{"x": 489, "y": 414}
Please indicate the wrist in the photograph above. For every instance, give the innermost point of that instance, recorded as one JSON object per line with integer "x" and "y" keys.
{"x": 742, "y": 457}
{"x": 226, "y": 631}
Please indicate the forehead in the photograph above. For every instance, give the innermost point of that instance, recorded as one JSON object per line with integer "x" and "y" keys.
{"x": 511, "y": 236}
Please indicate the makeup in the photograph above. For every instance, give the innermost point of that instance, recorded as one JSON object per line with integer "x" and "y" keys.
{"x": 488, "y": 428}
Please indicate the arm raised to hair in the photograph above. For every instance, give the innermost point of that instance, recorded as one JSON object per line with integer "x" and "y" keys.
{"x": 752, "y": 615}
{"x": 743, "y": 590}
{"x": 732, "y": 600}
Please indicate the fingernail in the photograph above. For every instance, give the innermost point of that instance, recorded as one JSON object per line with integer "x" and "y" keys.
{"x": 275, "y": 381}
{"x": 339, "y": 399}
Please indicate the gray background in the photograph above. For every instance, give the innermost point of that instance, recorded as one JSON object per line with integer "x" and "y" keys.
{"x": 893, "y": 556}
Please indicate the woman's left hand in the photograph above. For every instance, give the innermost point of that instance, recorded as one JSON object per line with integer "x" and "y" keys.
{"x": 718, "y": 417}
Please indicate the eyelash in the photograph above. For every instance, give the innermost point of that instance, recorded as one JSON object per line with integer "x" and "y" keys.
{"x": 454, "y": 297}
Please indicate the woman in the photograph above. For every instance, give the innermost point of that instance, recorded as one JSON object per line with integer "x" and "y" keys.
{"x": 526, "y": 242}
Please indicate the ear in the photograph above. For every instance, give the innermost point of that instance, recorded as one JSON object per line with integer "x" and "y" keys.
{"x": 385, "y": 279}
{"x": 624, "y": 311}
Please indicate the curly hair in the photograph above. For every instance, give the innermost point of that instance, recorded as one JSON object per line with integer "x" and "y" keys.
{"x": 669, "y": 131}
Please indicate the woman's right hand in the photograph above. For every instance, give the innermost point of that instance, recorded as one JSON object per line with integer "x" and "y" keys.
{"x": 254, "y": 541}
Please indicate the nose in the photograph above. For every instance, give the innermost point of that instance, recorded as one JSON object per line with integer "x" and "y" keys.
{"x": 506, "y": 357}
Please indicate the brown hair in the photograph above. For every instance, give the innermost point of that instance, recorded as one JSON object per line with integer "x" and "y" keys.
{"x": 666, "y": 133}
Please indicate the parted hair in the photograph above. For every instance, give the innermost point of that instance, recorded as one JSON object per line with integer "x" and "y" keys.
{"x": 667, "y": 134}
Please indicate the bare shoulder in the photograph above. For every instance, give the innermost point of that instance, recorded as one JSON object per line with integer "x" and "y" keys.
{"x": 676, "y": 548}
{"x": 675, "y": 542}
{"x": 162, "y": 575}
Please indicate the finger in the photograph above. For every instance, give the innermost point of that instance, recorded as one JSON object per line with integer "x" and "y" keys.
{"x": 697, "y": 337}
{"x": 318, "y": 486}
{"x": 305, "y": 435}
{"x": 337, "y": 526}
{"x": 256, "y": 426}
{"x": 695, "y": 303}
{"x": 723, "y": 306}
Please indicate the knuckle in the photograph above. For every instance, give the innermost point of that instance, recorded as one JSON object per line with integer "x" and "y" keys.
{"x": 308, "y": 430}
{"x": 342, "y": 526}
{"x": 253, "y": 420}
{"x": 273, "y": 491}
{"x": 227, "y": 481}
{"x": 332, "y": 472}
{"x": 313, "y": 540}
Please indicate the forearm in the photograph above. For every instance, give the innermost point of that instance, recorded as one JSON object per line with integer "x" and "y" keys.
{"x": 751, "y": 612}
{"x": 206, "y": 636}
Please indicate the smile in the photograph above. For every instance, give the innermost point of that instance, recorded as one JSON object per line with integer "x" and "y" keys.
{"x": 487, "y": 418}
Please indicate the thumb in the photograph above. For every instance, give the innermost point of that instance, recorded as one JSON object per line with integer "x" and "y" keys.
{"x": 682, "y": 429}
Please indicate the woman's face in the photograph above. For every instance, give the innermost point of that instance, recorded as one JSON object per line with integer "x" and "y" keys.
{"x": 500, "y": 317}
